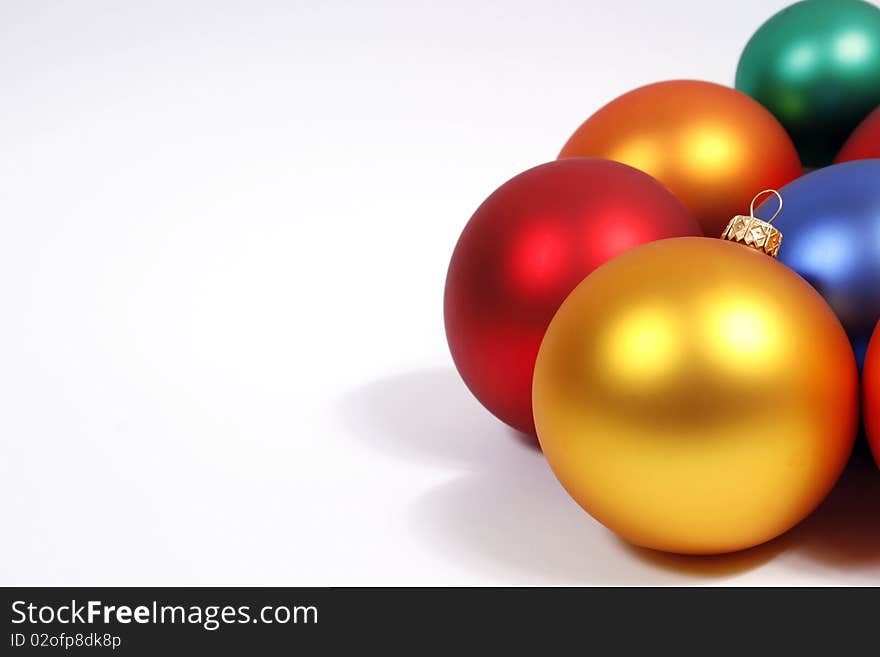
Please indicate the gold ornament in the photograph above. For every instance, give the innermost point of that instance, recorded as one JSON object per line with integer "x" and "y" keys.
{"x": 696, "y": 396}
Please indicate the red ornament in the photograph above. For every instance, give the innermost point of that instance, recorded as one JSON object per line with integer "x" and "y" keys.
{"x": 864, "y": 142}
{"x": 871, "y": 394}
{"x": 526, "y": 247}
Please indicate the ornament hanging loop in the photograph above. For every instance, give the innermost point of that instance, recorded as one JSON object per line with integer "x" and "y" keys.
{"x": 759, "y": 195}
{"x": 756, "y": 233}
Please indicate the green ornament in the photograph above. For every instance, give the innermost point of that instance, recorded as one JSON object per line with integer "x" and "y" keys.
{"x": 816, "y": 66}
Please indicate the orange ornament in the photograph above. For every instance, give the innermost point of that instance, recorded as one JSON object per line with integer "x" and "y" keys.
{"x": 710, "y": 145}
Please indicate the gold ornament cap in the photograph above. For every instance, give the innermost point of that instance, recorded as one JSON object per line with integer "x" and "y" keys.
{"x": 753, "y": 232}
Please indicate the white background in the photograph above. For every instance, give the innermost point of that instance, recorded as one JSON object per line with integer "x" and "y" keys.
{"x": 225, "y": 231}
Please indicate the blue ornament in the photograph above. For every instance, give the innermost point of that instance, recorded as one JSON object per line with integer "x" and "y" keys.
{"x": 830, "y": 224}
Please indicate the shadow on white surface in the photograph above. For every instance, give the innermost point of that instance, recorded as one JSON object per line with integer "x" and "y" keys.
{"x": 844, "y": 532}
{"x": 507, "y": 516}
{"x": 527, "y": 530}
{"x": 429, "y": 416}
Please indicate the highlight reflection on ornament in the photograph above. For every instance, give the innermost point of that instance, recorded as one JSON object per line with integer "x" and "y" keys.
{"x": 696, "y": 396}
{"x": 832, "y": 223}
{"x": 525, "y": 249}
{"x": 816, "y": 66}
{"x": 710, "y": 145}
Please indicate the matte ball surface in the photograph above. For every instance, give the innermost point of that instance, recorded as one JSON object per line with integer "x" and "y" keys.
{"x": 816, "y": 66}
{"x": 864, "y": 142}
{"x": 831, "y": 224}
{"x": 871, "y": 394}
{"x": 696, "y": 396}
{"x": 525, "y": 248}
{"x": 712, "y": 146}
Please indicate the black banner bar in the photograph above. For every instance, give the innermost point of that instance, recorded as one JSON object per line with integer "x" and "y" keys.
{"x": 264, "y": 621}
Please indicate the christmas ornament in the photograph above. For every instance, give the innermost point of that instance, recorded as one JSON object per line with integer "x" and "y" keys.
{"x": 525, "y": 249}
{"x": 695, "y": 395}
{"x": 816, "y": 66}
{"x": 712, "y": 146}
{"x": 832, "y": 223}
{"x": 871, "y": 394}
{"x": 864, "y": 143}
